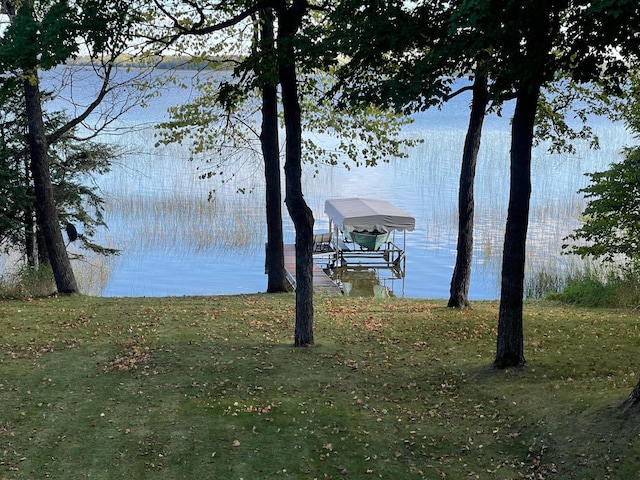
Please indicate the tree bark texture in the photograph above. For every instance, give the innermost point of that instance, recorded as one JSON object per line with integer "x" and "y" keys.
{"x": 289, "y": 21}
{"x": 633, "y": 400}
{"x": 510, "y": 344}
{"x": 276, "y": 275}
{"x": 47, "y": 213}
{"x": 30, "y": 239}
{"x": 460, "y": 281}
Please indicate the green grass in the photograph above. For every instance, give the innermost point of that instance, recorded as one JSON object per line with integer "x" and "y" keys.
{"x": 396, "y": 389}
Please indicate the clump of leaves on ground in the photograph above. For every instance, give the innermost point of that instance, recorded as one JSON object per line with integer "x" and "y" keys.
{"x": 213, "y": 388}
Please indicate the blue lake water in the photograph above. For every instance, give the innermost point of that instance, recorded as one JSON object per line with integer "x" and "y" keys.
{"x": 193, "y": 247}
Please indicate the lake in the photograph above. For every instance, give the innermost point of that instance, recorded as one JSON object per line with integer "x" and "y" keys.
{"x": 176, "y": 241}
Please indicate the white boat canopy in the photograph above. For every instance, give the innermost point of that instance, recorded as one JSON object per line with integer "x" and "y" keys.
{"x": 360, "y": 214}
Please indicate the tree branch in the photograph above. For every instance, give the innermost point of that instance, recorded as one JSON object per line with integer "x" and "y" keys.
{"x": 198, "y": 27}
{"x": 104, "y": 90}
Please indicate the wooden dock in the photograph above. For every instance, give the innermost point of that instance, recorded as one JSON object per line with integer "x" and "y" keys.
{"x": 321, "y": 281}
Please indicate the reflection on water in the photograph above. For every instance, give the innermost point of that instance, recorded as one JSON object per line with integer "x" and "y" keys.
{"x": 368, "y": 282}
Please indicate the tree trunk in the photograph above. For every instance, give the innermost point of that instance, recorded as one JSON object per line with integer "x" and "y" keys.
{"x": 30, "y": 239}
{"x": 301, "y": 214}
{"x": 276, "y": 276}
{"x": 633, "y": 400}
{"x": 47, "y": 213}
{"x": 466, "y": 204}
{"x": 41, "y": 245}
{"x": 30, "y": 220}
{"x": 510, "y": 344}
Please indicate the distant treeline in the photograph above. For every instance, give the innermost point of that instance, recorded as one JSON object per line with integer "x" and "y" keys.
{"x": 169, "y": 62}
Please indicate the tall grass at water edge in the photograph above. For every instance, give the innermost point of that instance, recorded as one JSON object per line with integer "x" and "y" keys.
{"x": 555, "y": 206}
{"x": 185, "y": 223}
{"x": 19, "y": 281}
{"x": 27, "y": 282}
{"x": 599, "y": 285}
{"x": 159, "y": 202}
{"x": 155, "y": 200}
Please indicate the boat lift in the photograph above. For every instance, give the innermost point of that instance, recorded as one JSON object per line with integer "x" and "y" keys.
{"x": 362, "y": 237}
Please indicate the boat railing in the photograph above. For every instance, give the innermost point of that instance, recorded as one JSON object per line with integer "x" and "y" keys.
{"x": 388, "y": 256}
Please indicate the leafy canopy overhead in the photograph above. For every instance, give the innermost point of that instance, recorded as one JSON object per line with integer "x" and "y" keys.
{"x": 43, "y": 35}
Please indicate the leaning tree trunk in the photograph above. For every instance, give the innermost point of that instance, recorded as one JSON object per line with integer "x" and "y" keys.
{"x": 510, "y": 344}
{"x": 276, "y": 276}
{"x": 299, "y": 211}
{"x": 466, "y": 204}
{"x": 47, "y": 213}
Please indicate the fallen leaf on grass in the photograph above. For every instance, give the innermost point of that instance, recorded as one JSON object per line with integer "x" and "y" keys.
{"x": 128, "y": 361}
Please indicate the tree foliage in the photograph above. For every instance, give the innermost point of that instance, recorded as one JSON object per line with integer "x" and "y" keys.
{"x": 611, "y": 220}
{"x": 227, "y": 113}
{"x": 15, "y": 195}
{"x": 611, "y": 226}
{"x": 73, "y": 164}
{"x": 42, "y": 35}
{"x": 525, "y": 47}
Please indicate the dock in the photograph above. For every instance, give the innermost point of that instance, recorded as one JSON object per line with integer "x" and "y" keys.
{"x": 321, "y": 281}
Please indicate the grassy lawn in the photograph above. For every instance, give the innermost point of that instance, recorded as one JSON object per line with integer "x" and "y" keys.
{"x": 211, "y": 388}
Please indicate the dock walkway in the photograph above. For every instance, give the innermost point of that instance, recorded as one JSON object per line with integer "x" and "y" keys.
{"x": 321, "y": 281}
